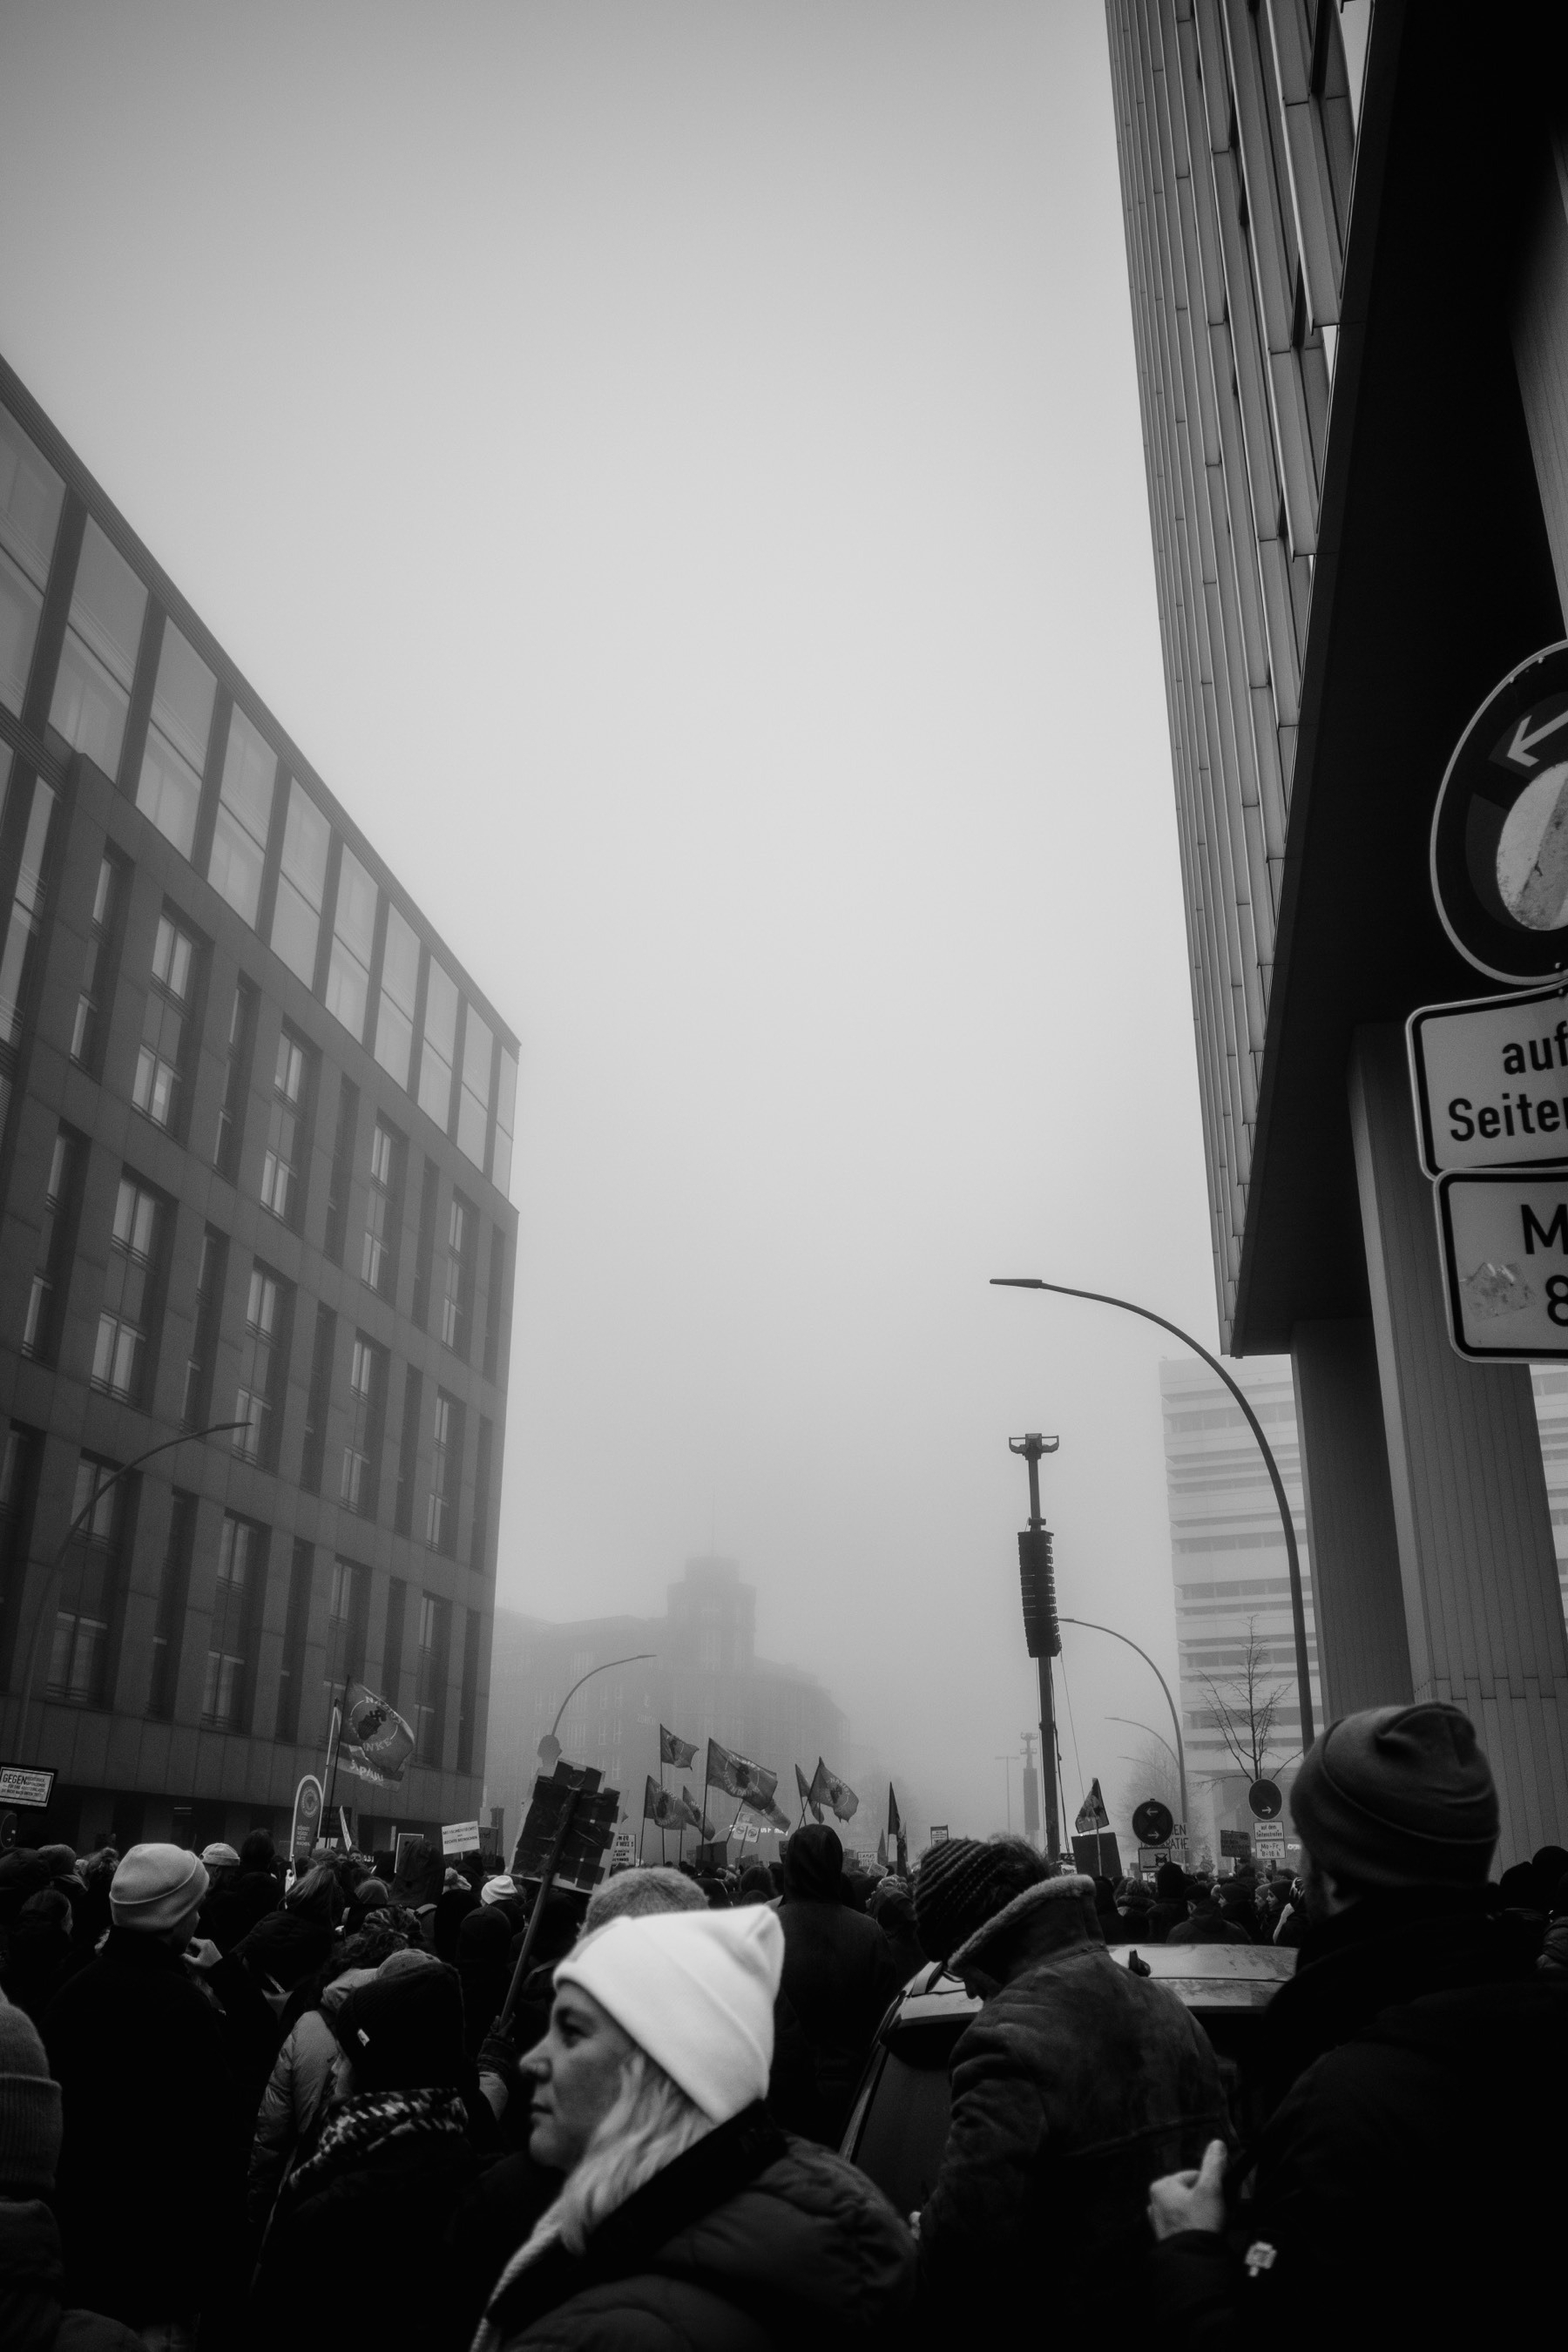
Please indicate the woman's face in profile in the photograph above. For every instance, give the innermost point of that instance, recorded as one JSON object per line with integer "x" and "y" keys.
{"x": 576, "y": 2072}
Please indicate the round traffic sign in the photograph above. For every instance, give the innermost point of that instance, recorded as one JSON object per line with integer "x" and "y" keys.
{"x": 1500, "y": 830}
{"x": 1265, "y": 1800}
{"x": 1153, "y": 1822}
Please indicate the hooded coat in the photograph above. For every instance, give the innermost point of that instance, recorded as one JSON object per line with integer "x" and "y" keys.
{"x": 1074, "y": 2087}
{"x": 1422, "y": 2063}
{"x": 750, "y": 2241}
{"x": 839, "y": 1975}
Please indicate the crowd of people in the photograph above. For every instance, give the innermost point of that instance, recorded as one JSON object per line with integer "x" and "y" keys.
{"x": 241, "y": 2107}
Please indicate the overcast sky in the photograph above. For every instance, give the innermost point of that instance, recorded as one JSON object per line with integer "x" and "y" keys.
{"x": 676, "y": 470}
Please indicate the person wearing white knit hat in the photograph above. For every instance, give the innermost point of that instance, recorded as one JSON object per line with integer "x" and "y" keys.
{"x": 649, "y": 2094}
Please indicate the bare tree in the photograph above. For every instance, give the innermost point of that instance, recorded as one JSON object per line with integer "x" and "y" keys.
{"x": 1244, "y": 1713}
{"x": 1153, "y": 1775}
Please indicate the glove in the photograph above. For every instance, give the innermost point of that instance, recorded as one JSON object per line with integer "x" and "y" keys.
{"x": 498, "y": 2054}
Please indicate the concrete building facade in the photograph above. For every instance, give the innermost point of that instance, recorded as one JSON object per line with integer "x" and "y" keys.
{"x": 1347, "y": 238}
{"x": 255, "y": 1149}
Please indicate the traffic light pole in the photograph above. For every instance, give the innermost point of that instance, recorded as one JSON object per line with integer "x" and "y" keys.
{"x": 1031, "y": 1448}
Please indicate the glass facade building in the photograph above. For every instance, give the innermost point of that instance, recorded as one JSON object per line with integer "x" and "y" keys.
{"x": 255, "y": 1135}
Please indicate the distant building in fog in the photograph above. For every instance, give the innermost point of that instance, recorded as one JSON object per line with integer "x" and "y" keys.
{"x": 704, "y": 1682}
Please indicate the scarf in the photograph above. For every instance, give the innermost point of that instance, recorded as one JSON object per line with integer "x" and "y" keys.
{"x": 374, "y": 2120}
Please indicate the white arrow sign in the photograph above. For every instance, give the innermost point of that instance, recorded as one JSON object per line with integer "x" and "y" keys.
{"x": 1525, "y": 738}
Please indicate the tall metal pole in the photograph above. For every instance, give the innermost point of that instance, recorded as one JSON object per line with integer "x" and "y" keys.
{"x": 1175, "y": 1720}
{"x": 1287, "y": 1517}
{"x": 1031, "y": 1448}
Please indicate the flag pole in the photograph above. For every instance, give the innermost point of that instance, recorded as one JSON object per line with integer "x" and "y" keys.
{"x": 341, "y": 1708}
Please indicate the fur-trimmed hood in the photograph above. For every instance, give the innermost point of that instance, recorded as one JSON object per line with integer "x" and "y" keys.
{"x": 1052, "y": 1913}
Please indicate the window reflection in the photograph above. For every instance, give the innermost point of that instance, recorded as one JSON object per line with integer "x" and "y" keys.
{"x": 30, "y": 495}
{"x": 245, "y": 812}
{"x": 297, "y": 917}
{"x": 353, "y": 935}
{"x": 399, "y": 994}
{"x": 170, "y": 790}
{"x": 474, "y": 1103}
{"x": 441, "y": 1040}
{"x": 506, "y": 1114}
{"x": 92, "y": 688}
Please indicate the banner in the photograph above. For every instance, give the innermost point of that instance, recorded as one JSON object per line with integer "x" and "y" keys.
{"x": 665, "y": 1811}
{"x": 681, "y": 1753}
{"x": 696, "y": 1818}
{"x": 827, "y": 1788}
{"x": 307, "y": 1826}
{"x": 738, "y": 1776}
{"x": 374, "y": 1743}
{"x": 1091, "y": 1813}
{"x": 804, "y": 1785}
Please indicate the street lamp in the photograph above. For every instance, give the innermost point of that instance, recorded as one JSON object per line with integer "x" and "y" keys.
{"x": 1089, "y": 1626}
{"x": 1286, "y": 1518}
{"x": 550, "y": 1747}
{"x": 186, "y": 1436}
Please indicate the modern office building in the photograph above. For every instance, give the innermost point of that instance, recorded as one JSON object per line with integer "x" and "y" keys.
{"x": 703, "y": 1680}
{"x": 256, "y": 1130}
{"x": 1347, "y": 239}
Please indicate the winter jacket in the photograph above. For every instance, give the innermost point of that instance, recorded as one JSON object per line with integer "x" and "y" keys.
{"x": 452, "y": 1907}
{"x": 230, "y": 1912}
{"x": 1208, "y": 1927}
{"x": 750, "y": 2241}
{"x": 484, "y": 1944}
{"x": 32, "y": 2314}
{"x": 160, "y": 2070}
{"x": 839, "y": 1975}
{"x": 296, "y": 2090}
{"x": 1425, "y": 2067}
{"x": 1074, "y": 2087}
{"x": 285, "y": 1947}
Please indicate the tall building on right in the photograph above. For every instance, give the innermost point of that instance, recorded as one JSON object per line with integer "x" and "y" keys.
{"x": 1347, "y": 241}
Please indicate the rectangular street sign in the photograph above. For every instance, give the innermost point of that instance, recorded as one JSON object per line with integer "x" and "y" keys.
{"x": 1268, "y": 1833}
{"x": 1489, "y": 1077}
{"x": 1503, "y": 1238}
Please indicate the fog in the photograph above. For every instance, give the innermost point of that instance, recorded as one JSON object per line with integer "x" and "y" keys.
{"x": 677, "y": 473}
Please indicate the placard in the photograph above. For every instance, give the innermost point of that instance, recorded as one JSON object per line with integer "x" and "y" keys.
{"x": 30, "y": 1786}
{"x": 460, "y": 1837}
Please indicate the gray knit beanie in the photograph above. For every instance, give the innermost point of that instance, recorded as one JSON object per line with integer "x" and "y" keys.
{"x": 1398, "y": 1796}
{"x": 29, "y": 2105}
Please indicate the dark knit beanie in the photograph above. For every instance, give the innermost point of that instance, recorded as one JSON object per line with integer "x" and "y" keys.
{"x": 964, "y": 1881}
{"x": 1398, "y": 1797}
{"x": 404, "y": 2031}
{"x": 29, "y": 2106}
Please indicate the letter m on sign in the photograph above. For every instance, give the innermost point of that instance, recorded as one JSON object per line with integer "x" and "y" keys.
{"x": 1557, "y": 1231}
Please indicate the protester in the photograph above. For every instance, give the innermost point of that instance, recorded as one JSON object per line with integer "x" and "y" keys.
{"x": 303, "y": 2077}
{"x": 255, "y": 1889}
{"x": 288, "y": 1945}
{"x": 1423, "y": 2069}
{"x": 1105, "y": 1910}
{"x": 1205, "y": 1922}
{"x": 1170, "y": 1901}
{"x": 756, "y": 1887}
{"x": 161, "y": 2064}
{"x": 892, "y": 1907}
{"x": 1134, "y": 1913}
{"x": 1554, "y": 1948}
{"x": 64, "y": 1872}
{"x": 484, "y": 1944}
{"x": 32, "y": 2317}
{"x": 686, "y": 2217}
{"x": 40, "y": 1950}
{"x": 839, "y": 1977}
{"x": 453, "y": 1904}
{"x": 1077, "y": 2080}
{"x": 635, "y": 1893}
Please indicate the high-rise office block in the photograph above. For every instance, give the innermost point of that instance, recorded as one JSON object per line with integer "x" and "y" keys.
{"x": 255, "y": 1135}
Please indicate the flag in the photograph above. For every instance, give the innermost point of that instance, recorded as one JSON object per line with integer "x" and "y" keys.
{"x": 737, "y": 1775}
{"x": 773, "y": 1813}
{"x": 695, "y": 1816}
{"x": 895, "y": 1826}
{"x": 896, "y": 1835}
{"x": 1091, "y": 1813}
{"x": 804, "y": 1785}
{"x": 681, "y": 1753}
{"x": 659, "y": 1807}
{"x": 373, "y": 1741}
{"x": 827, "y": 1788}
{"x": 882, "y": 1849}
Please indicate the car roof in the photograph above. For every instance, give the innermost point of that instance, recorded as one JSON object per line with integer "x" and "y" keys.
{"x": 1203, "y": 1976}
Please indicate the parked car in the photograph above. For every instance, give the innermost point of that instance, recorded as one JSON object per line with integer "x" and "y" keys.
{"x": 898, "y": 2122}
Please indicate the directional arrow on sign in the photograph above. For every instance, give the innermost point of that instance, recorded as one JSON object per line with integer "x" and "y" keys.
{"x": 1521, "y": 750}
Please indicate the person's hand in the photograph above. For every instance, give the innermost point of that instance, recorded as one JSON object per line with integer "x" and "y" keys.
{"x": 1191, "y": 2201}
{"x": 498, "y": 2054}
{"x": 202, "y": 1953}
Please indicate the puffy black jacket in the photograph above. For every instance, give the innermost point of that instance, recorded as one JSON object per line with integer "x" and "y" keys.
{"x": 33, "y": 2317}
{"x": 839, "y": 1974}
{"x": 1074, "y": 2087}
{"x": 1425, "y": 2069}
{"x": 749, "y": 2242}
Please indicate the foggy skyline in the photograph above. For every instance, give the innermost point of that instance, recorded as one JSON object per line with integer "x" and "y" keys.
{"x": 676, "y": 474}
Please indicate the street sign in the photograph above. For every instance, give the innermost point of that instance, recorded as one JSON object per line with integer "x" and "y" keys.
{"x": 1489, "y": 1077}
{"x": 1151, "y": 1822}
{"x": 1503, "y": 1239}
{"x": 1500, "y": 830}
{"x": 1264, "y": 1800}
{"x": 1270, "y": 1834}
{"x": 28, "y": 1785}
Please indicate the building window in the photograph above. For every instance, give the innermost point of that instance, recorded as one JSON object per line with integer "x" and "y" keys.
{"x": 98, "y": 662}
{"x": 282, "y": 1188}
{"x": 56, "y": 1245}
{"x": 291, "y": 1677}
{"x": 457, "y": 1300}
{"x": 445, "y": 1476}
{"x": 479, "y": 1533}
{"x": 174, "y": 762}
{"x": 495, "y": 1304}
{"x": 408, "y": 1450}
{"x": 166, "y": 1020}
{"x": 468, "y": 1690}
{"x": 236, "y": 1611}
{"x": 430, "y": 1679}
{"x": 440, "y": 1043}
{"x": 19, "y": 1451}
{"x": 361, "y": 1478}
{"x": 384, "y": 1212}
{"x": 121, "y": 1355}
{"x": 354, "y": 938}
{"x": 31, "y": 495}
{"x": 88, "y": 1595}
{"x": 243, "y": 815}
{"x": 474, "y": 1099}
{"x": 341, "y": 1176}
{"x": 261, "y": 1364}
{"x": 425, "y": 1250}
{"x": 301, "y": 885}
{"x": 392, "y": 1648}
{"x": 174, "y": 1590}
{"x": 230, "y": 1135}
{"x": 212, "y": 1264}
{"x": 98, "y": 964}
{"x": 399, "y": 998}
{"x": 348, "y": 1622}
{"x": 506, "y": 1117}
{"x": 24, "y": 919}
{"x": 318, "y": 1401}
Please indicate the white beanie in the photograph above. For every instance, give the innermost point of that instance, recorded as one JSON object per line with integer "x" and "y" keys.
{"x": 696, "y": 1991}
{"x": 497, "y": 1890}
